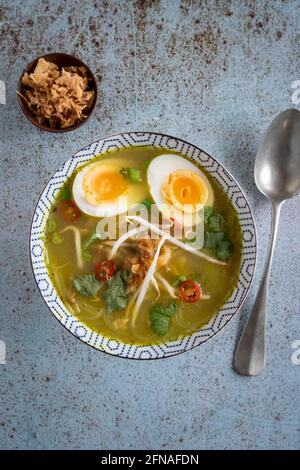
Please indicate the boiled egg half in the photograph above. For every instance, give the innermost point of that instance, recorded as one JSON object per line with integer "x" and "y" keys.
{"x": 179, "y": 188}
{"x": 100, "y": 190}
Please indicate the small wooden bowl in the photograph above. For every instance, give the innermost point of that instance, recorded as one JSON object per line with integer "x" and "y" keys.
{"x": 62, "y": 60}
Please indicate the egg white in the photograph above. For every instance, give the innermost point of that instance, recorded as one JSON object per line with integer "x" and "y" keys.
{"x": 105, "y": 209}
{"x": 158, "y": 170}
{"x": 135, "y": 192}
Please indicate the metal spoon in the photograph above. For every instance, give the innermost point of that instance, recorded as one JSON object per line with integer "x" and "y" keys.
{"x": 277, "y": 176}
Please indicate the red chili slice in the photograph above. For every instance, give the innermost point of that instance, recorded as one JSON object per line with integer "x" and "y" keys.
{"x": 105, "y": 270}
{"x": 69, "y": 211}
{"x": 189, "y": 291}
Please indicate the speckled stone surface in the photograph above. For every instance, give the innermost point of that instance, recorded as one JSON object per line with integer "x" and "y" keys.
{"x": 214, "y": 73}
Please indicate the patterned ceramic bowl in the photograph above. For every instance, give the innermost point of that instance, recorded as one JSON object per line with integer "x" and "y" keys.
{"x": 230, "y": 187}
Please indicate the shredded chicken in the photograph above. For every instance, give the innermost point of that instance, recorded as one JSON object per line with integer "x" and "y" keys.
{"x": 147, "y": 248}
{"x": 58, "y": 98}
{"x": 139, "y": 264}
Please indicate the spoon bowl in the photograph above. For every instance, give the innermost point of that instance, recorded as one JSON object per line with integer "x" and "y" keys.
{"x": 277, "y": 168}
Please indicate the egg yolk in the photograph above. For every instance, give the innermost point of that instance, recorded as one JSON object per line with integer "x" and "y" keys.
{"x": 184, "y": 187}
{"x": 100, "y": 185}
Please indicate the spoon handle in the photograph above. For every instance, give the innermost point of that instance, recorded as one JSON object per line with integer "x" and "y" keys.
{"x": 251, "y": 350}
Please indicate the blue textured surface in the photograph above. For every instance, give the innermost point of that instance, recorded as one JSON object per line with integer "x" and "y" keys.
{"x": 215, "y": 75}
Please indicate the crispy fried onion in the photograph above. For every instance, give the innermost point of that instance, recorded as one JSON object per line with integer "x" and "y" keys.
{"x": 57, "y": 97}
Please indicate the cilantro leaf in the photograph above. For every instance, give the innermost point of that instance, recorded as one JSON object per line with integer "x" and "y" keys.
{"x": 115, "y": 295}
{"x": 220, "y": 243}
{"x": 207, "y": 213}
{"x": 224, "y": 250}
{"x": 160, "y": 317}
{"x": 214, "y": 237}
{"x": 213, "y": 220}
{"x": 87, "y": 285}
{"x": 216, "y": 222}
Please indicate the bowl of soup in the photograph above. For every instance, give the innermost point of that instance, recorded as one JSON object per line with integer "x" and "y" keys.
{"x": 143, "y": 245}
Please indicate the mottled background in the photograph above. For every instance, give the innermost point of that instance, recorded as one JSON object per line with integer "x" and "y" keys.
{"x": 214, "y": 73}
